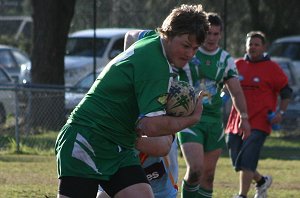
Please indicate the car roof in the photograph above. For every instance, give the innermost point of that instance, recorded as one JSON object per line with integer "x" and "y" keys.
{"x": 295, "y": 38}
{"x": 280, "y": 59}
{"x": 101, "y": 32}
{"x": 6, "y": 47}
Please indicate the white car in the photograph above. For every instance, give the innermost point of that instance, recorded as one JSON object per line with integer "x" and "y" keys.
{"x": 7, "y": 96}
{"x": 79, "y": 58}
{"x": 290, "y": 69}
{"x": 74, "y": 95}
{"x": 287, "y": 47}
{"x": 13, "y": 59}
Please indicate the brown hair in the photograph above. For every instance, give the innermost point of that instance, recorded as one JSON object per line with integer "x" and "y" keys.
{"x": 186, "y": 19}
{"x": 215, "y": 19}
{"x": 257, "y": 34}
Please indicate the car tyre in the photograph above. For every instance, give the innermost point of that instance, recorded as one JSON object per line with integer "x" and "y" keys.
{"x": 2, "y": 114}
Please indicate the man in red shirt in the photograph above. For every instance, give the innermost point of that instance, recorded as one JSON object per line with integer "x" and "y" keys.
{"x": 262, "y": 81}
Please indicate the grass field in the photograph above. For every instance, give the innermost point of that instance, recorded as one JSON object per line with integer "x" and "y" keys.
{"x": 34, "y": 175}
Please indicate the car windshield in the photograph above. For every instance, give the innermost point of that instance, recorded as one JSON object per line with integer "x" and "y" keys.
{"x": 286, "y": 49}
{"x": 285, "y": 67}
{"x": 86, "y": 82}
{"x": 81, "y": 46}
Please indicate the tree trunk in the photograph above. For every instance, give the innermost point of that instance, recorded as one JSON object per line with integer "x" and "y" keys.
{"x": 51, "y": 22}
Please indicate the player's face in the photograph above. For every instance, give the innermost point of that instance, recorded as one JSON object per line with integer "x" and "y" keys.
{"x": 255, "y": 48}
{"x": 212, "y": 38}
{"x": 180, "y": 49}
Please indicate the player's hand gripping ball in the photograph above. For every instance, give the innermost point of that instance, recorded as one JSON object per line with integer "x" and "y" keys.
{"x": 181, "y": 100}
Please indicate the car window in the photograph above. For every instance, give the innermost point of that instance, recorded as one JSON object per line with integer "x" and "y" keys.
{"x": 3, "y": 77}
{"x": 20, "y": 58}
{"x": 117, "y": 48}
{"x": 6, "y": 59}
{"x": 86, "y": 82}
{"x": 285, "y": 67}
{"x": 286, "y": 49}
{"x": 80, "y": 46}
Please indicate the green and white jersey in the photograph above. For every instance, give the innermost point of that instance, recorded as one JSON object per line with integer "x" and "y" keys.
{"x": 207, "y": 72}
{"x": 132, "y": 85}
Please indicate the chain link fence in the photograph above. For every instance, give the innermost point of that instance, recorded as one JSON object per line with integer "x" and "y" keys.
{"x": 28, "y": 111}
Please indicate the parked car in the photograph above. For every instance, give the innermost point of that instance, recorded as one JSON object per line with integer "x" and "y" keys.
{"x": 7, "y": 97}
{"x": 289, "y": 69}
{"x": 288, "y": 47}
{"x": 79, "y": 59}
{"x": 13, "y": 59}
{"x": 291, "y": 119}
{"x": 74, "y": 95}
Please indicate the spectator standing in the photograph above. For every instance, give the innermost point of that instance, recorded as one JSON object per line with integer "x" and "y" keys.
{"x": 262, "y": 81}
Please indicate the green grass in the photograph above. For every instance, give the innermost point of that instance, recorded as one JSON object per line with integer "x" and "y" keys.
{"x": 33, "y": 172}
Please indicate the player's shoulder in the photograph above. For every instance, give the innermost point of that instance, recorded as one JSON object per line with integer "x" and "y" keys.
{"x": 145, "y": 33}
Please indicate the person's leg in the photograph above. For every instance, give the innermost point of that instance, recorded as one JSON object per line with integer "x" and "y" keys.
{"x": 193, "y": 155}
{"x": 247, "y": 159}
{"x": 235, "y": 143}
{"x": 246, "y": 177}
{"x": 214, "y": 142}
{"x": 136, "y": 191}
{"x": 77, "y": 187}
{"x": 257, "y": 176}
{"x": 208, "y": 173}
{"x": 129, "y": 181}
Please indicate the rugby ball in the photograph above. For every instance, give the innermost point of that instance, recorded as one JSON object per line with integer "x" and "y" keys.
{"x": 181, "y": 99}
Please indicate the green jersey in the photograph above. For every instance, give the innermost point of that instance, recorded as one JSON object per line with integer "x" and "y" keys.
{"x": 133, "y": 85}
{"x": 99, "y": 137}
{"x": 207, "y": 72}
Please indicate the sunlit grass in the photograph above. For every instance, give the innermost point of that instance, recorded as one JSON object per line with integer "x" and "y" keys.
{"x": 33, "y": 172}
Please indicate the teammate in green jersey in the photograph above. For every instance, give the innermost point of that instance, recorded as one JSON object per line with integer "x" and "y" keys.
{"x": 202, "y": 143}
{"x": 127, "y": 100}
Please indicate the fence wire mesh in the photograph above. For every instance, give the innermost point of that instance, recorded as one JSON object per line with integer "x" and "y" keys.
{"x": 26, "y": 112}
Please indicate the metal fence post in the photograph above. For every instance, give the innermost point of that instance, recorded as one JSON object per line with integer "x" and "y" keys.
{"x": 17, "y": 133}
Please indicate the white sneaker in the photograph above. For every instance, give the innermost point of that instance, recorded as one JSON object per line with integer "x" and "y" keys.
{"x": 261, "y": 192}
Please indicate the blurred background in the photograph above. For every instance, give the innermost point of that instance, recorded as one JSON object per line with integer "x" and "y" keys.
{"x": 52, "y": 50}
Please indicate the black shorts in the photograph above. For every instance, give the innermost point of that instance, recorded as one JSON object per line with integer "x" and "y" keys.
{"x": 77, "y": 187}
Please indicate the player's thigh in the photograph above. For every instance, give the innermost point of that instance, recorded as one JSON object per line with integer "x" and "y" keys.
{"x": 210, "y": 160}
{"x": 77, "y": 187}
{"x": 136, "y": 191}
{"x": 125, "y": 177}
{"x": 193, "y": 154}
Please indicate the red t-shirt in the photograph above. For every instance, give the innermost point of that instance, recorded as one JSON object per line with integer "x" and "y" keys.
{"x": 261, "y": 83}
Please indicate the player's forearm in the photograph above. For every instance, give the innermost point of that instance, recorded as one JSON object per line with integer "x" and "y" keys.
{"x": 163, "y": 125}
{"x": 239, "y": 103}
{"x": 237, "y": 96}
{"x": 167, "y": 125}
{"x": 155, "y": 146}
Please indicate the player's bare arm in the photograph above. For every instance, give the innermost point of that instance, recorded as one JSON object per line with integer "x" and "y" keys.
{"x": 155, "y": 146}
{"x": 130, "y": 38}
{"x": 239, "y": 102}
{"x": 166, "y": 125}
